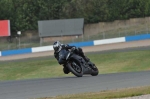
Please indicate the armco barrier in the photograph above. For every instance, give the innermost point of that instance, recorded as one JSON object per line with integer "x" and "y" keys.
{"x": 80, "y": 44}
{"x": 109, "y": 41}
{"x": 41, "y": 49}
{"x": 137, "y": 37}
{"x": 14, "y": 52}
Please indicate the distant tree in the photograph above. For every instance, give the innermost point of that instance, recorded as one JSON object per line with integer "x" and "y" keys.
{"x": 24, "y": 14}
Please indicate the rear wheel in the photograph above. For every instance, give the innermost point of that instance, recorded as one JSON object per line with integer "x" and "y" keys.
{"x": 75, "y": 68}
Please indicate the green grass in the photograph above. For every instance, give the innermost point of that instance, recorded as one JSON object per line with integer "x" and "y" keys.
{"x": 29, "y": 69}
{"x": 122, "y": 62}
{"x": 45, "y": 67}
{"x": 109, "y": 94}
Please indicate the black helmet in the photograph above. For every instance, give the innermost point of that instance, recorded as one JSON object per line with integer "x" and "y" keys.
{"x": 57, "y": 46}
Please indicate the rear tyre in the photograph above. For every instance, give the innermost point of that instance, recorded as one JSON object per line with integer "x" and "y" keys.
{"x": 75, "y": 68}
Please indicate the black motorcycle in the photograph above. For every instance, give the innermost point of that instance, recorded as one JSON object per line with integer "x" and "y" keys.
{"x": 76, "y": 64}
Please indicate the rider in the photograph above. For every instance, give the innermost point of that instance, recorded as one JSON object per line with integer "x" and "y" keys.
{"x": 57, "y": 46}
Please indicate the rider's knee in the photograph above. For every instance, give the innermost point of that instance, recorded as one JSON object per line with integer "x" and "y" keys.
{"x": 80, "y": 49}
{"x": 60, "y": 61}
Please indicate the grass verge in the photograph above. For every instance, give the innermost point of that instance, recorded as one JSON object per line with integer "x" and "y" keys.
{"x": 48, "y": 67}
{"x": 108, "y": 94}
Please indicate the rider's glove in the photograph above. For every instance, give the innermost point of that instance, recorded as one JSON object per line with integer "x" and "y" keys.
{"x": 73, "y": 49}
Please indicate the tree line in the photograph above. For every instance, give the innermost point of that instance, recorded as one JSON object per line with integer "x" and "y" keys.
{"x": 24, "y": 14}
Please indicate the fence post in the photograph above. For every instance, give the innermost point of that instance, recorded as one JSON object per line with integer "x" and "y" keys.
{"x": 126, "y": 32}
{"x": 19, "y": 42}
{"x": 41, "y": 41}
{"x": 16, "y": 41}
{"x": 88, "y": 37}
{"x": 19, "y": 34}
{"x": 82, "y": 38}
{"x": 8, "y": 47}
{"x": 72, "y": 39}
{"x": 103, "y": 35}
{"x": 62, "y": 38}
{"x": 119, "y": 34}
{"x": 147, "y": 28}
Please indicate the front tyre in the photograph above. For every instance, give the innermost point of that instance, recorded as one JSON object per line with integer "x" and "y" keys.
{"x": 95, "y": 71}
{"x": 75, "y": 68}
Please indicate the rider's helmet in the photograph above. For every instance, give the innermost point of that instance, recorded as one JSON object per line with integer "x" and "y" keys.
{"x": 57, "y": 46}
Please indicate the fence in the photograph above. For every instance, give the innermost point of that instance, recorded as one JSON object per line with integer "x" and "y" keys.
{"x": 35, "y": 41}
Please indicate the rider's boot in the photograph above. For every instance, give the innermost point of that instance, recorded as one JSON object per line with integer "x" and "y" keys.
{"x": 89, "y": 63}
{"x": 66, "y": 70}
{"x": 80, "y": 52}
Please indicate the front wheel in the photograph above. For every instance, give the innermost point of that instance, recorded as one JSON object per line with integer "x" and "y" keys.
{"x": 95, "y": 71}
{"x": 75, "y": 68}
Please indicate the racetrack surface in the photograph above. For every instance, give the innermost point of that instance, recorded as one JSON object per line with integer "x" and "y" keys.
{"x": 36, "y": 88}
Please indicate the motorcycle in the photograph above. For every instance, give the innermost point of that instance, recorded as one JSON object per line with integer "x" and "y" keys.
{"x": 76, "y": 64}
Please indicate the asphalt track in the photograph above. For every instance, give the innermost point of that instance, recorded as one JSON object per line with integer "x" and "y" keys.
{"x": 26, "y": 89}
